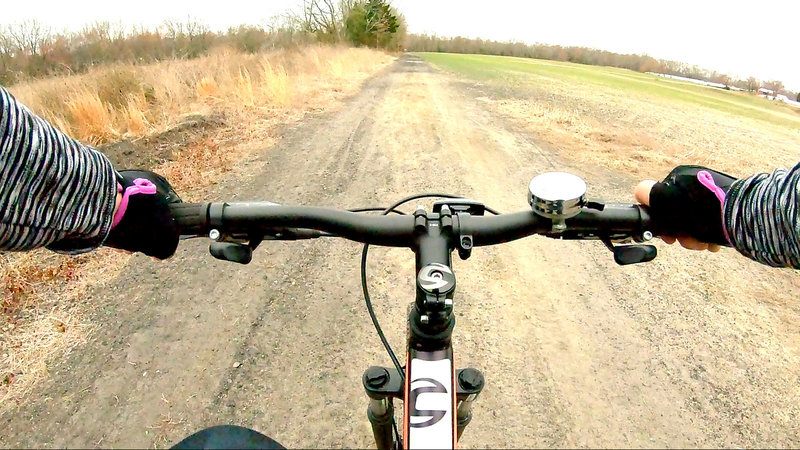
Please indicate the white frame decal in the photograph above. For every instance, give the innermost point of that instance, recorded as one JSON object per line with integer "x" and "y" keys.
{"x": 430, "y": 404}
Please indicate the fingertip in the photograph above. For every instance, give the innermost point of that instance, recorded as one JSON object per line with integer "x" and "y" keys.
{"x": 642, "y": 191}
{"x": 692, "y": 244}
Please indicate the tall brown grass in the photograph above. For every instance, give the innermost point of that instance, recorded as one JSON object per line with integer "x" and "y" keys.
{"x": 132, "y": 101}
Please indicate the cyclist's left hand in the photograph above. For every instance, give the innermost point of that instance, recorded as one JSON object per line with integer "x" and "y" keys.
{"x": 143, "y": 222}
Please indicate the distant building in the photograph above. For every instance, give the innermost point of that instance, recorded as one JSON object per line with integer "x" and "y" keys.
{"x": 769, "y": 94}
{"x": 695, "y": 80}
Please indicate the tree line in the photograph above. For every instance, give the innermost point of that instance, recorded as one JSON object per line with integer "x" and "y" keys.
{"x": 29, "y": 49}
{"x": 584, "y": 55}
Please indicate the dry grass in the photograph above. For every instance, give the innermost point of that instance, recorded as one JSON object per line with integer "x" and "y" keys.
{"x": 133, "y": 101}
{"x": 44, "y": 316}
{"x": 90, "y": 117}
{"x": 276, "y": 85}
{"x": 648, "y": 138}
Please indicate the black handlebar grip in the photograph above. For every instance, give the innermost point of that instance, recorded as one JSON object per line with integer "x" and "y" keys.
{"x": 191, "y": 218}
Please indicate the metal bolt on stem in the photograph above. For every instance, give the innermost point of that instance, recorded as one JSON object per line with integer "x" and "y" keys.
{"x": 214, "y": 234}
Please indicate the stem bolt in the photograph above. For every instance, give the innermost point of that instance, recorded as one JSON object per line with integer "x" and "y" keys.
{"x": 214, "y": 234}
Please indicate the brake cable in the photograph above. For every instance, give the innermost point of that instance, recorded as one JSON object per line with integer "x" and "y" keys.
{"x": 376, "y": 208}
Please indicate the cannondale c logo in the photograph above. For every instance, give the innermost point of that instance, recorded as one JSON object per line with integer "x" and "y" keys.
{"x": 421, "y": 418}
{"x": 435, "y": 277}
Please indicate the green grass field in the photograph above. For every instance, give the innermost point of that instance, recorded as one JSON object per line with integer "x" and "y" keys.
{"x": 642, "y": 86}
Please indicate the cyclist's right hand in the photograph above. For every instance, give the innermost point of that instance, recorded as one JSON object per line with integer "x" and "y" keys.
{"x": 687, "y": 206}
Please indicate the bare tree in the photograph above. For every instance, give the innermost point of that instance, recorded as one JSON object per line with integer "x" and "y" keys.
{"x": 345, "y": 6}
{"x": 188, "y": 38}
{"x": 7, "y": 51}
{"x": 775, "y": 86}
{"x": 752, "y": 84}
{"x": 7, "y": 45}
{"x": 324, "y": 17}
{"x": 721, "y": 78}
{"x": 29, "y": 36}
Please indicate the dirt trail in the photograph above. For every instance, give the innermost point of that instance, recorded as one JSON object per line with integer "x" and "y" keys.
{"x": 577, "y": 352}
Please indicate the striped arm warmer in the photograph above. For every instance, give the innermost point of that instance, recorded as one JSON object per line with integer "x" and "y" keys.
{"x": 761, "y": 216}
{"x": 54, "y": 191}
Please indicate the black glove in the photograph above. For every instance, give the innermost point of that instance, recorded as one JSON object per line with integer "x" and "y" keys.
{"x": 688, "y": 204}
{"x": 146, "y": 225}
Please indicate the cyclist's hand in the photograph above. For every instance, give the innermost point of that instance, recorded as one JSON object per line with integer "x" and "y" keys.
{"x": 687, "y": 206}
{"x": 142, "y": 222}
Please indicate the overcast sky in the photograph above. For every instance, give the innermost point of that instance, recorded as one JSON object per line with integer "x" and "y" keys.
{"x": 741, "y": 38}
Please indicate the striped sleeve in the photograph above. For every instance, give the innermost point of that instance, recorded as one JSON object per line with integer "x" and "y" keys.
{"x": 54, "y": 191}
{"x": 761, "y": 217}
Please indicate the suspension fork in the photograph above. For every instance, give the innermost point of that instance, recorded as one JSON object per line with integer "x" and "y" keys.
{"x": 470, "y": 383}
{"x": 382, "y": 386}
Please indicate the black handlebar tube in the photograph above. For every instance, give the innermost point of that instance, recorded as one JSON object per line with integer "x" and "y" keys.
{"x": 630, "y": 220}
{"x": 197, "y": 219}
{"x": 247, "y": 218}
{"x": 491, "y": 230}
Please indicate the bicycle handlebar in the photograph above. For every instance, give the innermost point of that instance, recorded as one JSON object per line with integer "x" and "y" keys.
{"x": 253, "y": 218}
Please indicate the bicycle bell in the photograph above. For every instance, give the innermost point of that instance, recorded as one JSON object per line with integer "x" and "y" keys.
{"x": 557, "y": 196}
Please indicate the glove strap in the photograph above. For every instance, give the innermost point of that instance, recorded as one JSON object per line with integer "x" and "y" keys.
{"x": 707, "y": 180}
{"x": 140, "y": 186}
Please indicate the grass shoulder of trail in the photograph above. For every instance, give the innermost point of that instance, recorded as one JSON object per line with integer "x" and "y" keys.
{"x": 639, "y": 124}
{"x": 625, "y": 81}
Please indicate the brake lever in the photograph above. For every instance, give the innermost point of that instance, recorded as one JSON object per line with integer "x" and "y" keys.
{"x": 231, "y": 251}
{"x": 630, "y": 254}
{"x": 239, "y": 249}
{"x": 234, "y": 249}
